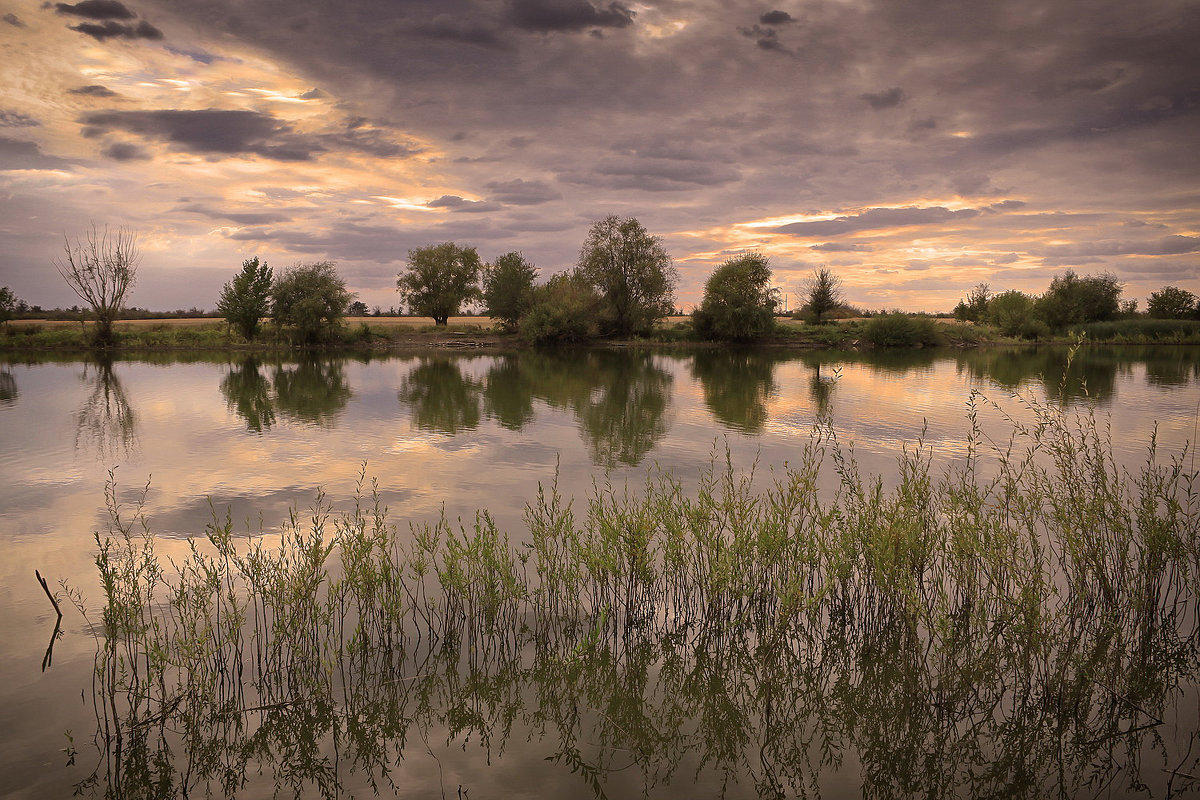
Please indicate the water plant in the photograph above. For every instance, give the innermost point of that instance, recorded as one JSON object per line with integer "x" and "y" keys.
{"x": 1018, "y": 621}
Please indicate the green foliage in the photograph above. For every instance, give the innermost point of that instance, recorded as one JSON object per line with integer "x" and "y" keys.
{"x": 1171, "y": 302}
{"x": 310, "y": 299}
{"x": 739, "y": 303}
{"x": 508, "y": 289}
{"x": 1072, "y": 300}
{"x": 357, "y": 309}
{"x": 440, "y": 278}
{"x": 1142, "y": 331}
{"x": 565, "y": 309}
{"x": 824, "y": 294}
{"x": 975, "y": 307}
{"x": 8, "y": 304}
{"x": 247, "y": 298}
{"x": 632, "y": 272}
{"x": 901, "y": 330}
{"x": 1010, "y": 311}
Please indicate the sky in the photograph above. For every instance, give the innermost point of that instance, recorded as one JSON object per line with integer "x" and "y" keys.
{"x": 914, "y": 147}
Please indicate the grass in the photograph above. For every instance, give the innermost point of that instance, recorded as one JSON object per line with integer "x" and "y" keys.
{"x": 1010, "y": 624}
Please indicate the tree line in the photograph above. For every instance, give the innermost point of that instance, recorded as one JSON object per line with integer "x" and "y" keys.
{"x": 622, "y": 285}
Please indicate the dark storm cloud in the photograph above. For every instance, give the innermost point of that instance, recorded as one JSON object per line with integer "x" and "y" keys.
{"x": 15, "y": 119}
{"x": 456, "y": 203}
{"x": 14, "y": 20}
{"x": 454, "y": 29}
{"x": 116, "y": 30}
{"x": 16, "y": 154}
{"x": 209, "y": 131}
{"x": 94, "y": 90}
{"x": 96, "y": 9}
{"x": 775, "y": 18}
{"x": 568, "y": 15}
{"x": 372, "y": 141}
{"x": 889, "y": 98}
{"x": 877, "y": 218}
{"x": 125, "y": 151}
{"x": 521, "y": 192}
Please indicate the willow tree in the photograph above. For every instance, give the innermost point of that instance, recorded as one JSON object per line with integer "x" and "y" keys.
{"x": 101, "y": 267}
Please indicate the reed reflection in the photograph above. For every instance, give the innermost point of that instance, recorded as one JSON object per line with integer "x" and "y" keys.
{"x": 106, "y": 419}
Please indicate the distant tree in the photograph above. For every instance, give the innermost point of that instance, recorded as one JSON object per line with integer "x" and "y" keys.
{"x": 1072, "y": 300}
{"x": 739, "y": 303}
{"x": 247, "y": 298}
{"x": 1171, "y": 302}
{"x": 8, "y": 305}
{"x": 357, "y": 309}
{"x": 311, "y": 299}
{"x": 439, "y": 279}
{"x": 824, "y": 293}
{"x": 974, "y": 307}
{"x": 101, "y": 268}
{"x": 631, "y": 271}
{"x": 565, "y": 309}
{"x": 508, "y": 288}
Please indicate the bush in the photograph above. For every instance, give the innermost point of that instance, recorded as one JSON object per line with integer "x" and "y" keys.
{"x": 901, "y": 330}
{"x": 565, "y": 309}
{"x": 311, "y": 300}
{"x": 739, "y": 304}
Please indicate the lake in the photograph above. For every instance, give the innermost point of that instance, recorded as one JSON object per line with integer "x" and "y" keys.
{"x": 192, "y": 437}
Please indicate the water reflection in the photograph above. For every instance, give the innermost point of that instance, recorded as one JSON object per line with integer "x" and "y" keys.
{"x": 8, "y": 388}
{"x": 1062, "y": 377}
{"x": 106, "y": 418}
{"x": 313, "y": 391}
{"x": 737, "y": 386}
{"x": 625, "y": 411}
{"x": 442, "y": 399}
{"x": 248, "y": 393}
{"x": 508, "y": 392}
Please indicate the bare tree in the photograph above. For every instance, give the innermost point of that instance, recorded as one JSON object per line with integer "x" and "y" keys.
{"x": 100, "y": 268}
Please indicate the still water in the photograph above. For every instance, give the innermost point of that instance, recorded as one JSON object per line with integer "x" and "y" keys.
{"x": 190, "y": 436}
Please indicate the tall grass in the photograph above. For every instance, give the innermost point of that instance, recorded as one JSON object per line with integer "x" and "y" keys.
{"x": 1013, "y": 623}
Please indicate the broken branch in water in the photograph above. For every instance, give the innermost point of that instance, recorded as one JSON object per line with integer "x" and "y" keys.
{"x": 46, "y": 589}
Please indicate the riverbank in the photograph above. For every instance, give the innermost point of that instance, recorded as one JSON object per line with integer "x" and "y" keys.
{"x": 400, "y": 334}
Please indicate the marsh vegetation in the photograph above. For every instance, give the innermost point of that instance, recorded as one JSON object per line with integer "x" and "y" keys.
{"x": 1021, "y": 622}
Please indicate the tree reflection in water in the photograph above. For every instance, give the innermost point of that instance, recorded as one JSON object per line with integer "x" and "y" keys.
{"x": 313, "y": 391}
{"x": 1026, "y": 637}
{"x": 8, "y": 388}
{"x": 106, "y": 419}
{"x": 737, "y": 385}
{"x": 442, "y": 399}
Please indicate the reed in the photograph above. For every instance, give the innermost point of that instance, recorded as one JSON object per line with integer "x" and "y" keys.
{"x": 1016, "y": 621}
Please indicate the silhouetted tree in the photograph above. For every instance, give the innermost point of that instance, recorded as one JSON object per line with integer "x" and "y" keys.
{"x": 824, "y": 293}
{"x": 101, "y": 268}
{"x": 1171, "y": 302}
{"x": 739, "y": 303}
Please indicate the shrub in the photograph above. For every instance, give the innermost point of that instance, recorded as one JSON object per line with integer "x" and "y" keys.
{"x": 901, "y": 330}
{"x": 564, "y": 309}
{"x": 739, "y": 303}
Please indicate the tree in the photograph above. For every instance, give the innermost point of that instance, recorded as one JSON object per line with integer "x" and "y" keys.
{"x": 1011, "y": 312}
{"x": 357, "y": 309}
{"x": 247, "y": 298}
{"x": 508, "y": 288}
{"x": 824, "y": 293}
{"x": 1072, "y": 300}
{"x": 8, "y": 305}
{"x": 631, "y": 271}
{"x": 974, "y": 307}
{"x": 310, "y": 298}
{"x": 564, "y": 309}
{"x": 440, "y": 278}
{"x": 739, "y": 303}
{"x": 1171, "y": 302}
{"x": 101, "y": 268}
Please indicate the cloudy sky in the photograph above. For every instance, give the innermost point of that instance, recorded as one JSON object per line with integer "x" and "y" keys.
{"x": 916, "y": 147}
